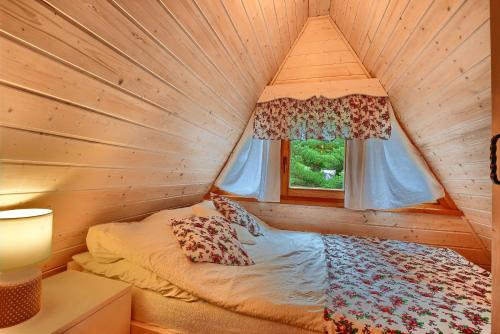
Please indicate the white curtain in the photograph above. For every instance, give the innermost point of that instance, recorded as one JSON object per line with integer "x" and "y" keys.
{"x": 253, "y": 169}
{"x": 387, "y": 174}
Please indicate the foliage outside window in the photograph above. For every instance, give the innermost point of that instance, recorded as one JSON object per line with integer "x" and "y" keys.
{"x": 317, "y": 164}
{"x": 313, "y": 170}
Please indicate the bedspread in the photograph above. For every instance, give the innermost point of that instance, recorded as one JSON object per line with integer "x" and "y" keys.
{"x": 387, "y": 286}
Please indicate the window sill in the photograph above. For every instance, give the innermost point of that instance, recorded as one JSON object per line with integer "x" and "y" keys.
{"x": 434, "y": 209}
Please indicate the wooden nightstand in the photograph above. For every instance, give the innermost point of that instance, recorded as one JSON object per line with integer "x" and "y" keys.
{"x": 75, "y": 302}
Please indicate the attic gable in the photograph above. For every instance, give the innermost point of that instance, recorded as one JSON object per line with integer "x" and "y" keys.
{"x": 320, "y": 53}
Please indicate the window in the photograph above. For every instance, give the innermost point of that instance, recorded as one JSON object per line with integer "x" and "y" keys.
{"x": 313, "y": 169}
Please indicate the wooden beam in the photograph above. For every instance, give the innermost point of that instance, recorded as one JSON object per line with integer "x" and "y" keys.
{"x": 495, "y": 78}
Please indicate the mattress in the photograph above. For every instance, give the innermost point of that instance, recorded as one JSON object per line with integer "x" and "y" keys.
{"x": 160, "y": 303}
{"x": 199, "y": 317}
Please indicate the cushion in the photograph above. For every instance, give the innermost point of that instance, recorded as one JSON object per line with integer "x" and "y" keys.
{"x": 207, "y": 209}
{"x": 235, "y": 213}
{"x": 210, "y": 239}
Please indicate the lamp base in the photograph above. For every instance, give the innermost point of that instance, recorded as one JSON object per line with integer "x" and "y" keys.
{"x": 20, "y": 296}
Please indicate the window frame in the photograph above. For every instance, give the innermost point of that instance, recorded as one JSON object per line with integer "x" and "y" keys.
{"x": 333, "y": 196}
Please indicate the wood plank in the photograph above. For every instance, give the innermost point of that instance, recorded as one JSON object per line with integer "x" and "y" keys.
{"x": 351, "y": 15}
{"x": 19, "y": 145}
{"x": 87, "y": 208}
{"x": 361, "y": 23}
{"x": 26, "y": 68}
{"x": 322, "y": 71}
{"x": 262, "y": 34}
{"x": 151, "y": 15}
{"x": 188, "y": 15}
{"x": 469, "y": 57}
{"x": 375, "y": 21}
{"x": 239, "y": 20}
{"x": 36, "y": 178}
{"x": 331, "y": 89}
{"x": 437, "y": 238}
{"x": 291, "y": 19}
{"x": 423, "y": 228}
{"x": 280, "y": 9}
{"x": 368, "y": 218}
{"x": 407, "y": 25}
{"x": 434, "y": 48}
{"x": 384, "y": 31}
{"x": 107, "y": 22}
{"x": 25, "y": 110}
{"x": 271, "y": 22}
{"x": 316, "y": 59}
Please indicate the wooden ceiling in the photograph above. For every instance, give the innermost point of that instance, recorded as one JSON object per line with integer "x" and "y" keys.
{"x": 433, "y": 58}
{"x": 115, "y": 109}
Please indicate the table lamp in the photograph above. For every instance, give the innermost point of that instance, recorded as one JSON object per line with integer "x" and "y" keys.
{"x": 25, "y": 242}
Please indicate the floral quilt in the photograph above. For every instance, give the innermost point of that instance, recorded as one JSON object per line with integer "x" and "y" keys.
{"x": 387, "y": 286}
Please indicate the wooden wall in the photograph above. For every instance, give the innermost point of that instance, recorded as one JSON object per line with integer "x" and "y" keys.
{"x": 320, "y": 54}
{"x": 436, "y": 230}
{"x": 495, "y": 75}
{"x": 433, "y": 58}
{"x": 319, "y": 7}
{"x": 111, "y": 110}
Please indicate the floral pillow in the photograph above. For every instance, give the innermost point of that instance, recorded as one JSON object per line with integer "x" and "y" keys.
{"x": 210, "y": 239}
{"x": 235, "y": 213}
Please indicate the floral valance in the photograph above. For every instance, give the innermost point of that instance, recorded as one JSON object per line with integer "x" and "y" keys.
{"x": 351, "y": 117}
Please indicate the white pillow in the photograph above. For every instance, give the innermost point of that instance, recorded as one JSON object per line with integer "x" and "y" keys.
{"x": 170, "y": 214}
{"x": 207, "y": 209}
{"x": 103, "y": 246}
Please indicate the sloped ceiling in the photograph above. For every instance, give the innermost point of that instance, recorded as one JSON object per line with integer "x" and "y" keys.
{"x": 433, "y": 58}
{"x": 115, "y": 109}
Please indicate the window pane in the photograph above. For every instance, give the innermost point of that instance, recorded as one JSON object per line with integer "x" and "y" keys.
{"x": 317, "y": 164}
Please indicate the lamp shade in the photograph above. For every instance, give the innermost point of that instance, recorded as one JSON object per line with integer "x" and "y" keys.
{"x": 25, "y": 237}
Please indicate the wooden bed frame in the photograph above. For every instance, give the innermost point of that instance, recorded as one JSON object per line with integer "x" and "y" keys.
{"x": 136, "y": 327}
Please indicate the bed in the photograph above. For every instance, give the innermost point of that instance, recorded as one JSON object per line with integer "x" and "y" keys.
{"x": 300, "y": 283}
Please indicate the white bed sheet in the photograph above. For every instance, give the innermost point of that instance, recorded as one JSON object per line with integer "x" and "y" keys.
{"x": 287, "y": 284}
